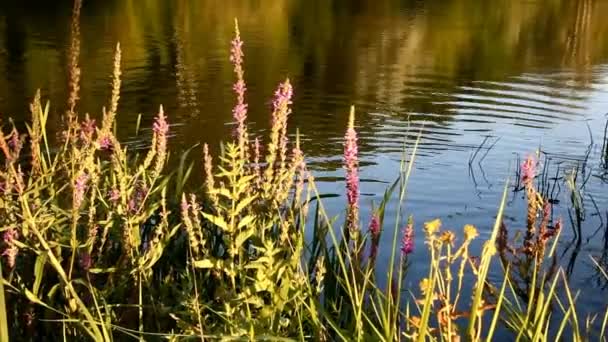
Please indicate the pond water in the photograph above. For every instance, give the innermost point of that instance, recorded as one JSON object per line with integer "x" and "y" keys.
{"x": 519, "y": 74}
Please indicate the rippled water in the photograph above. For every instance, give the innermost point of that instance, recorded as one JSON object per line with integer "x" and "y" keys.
{"x": 519, "y": 75}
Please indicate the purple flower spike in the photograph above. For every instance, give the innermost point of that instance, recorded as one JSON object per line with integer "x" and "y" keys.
{"x": 374, "y": 226}
{"x": 528, "y": 170}
{"x": 407, "y": 242}
{"x": 105, "y": 143}
{"x": 87, "y": 128}
{"x": 85, "y": 261}
{"x": 282, "y": 96}
{"x": 239, "y": 112}
{"x": 160, "y": 126}
{"x": 114, "y": 195}
{"x": 351, "y": 164}
{"x": 185, "y": 206}
{"x": 80, "y": 187}
{"x": 11, "y": 251}
{"x": 374, "y": 231}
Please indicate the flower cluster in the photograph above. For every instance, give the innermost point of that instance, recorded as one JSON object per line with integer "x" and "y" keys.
{"x": 9, "y": 237}
{"x": 407, "y": 241}
{"x": 114, "y": 195}
{"x": 351, "y": 164}
{"x": 161, "y": 131}
{"x": 87, "y": 129}
{"x": 374, "y": 232}
{"x": 80, "y": 186}
{"x": 528, "y": 170}
{"x": 239, "y": 111}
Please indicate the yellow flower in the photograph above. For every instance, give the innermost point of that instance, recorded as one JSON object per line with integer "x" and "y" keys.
{"x": 432, "y": 227}
{"x": 448, "y": 237}
{"x": 470, "y": 232}
{"x": 425, "y": 285}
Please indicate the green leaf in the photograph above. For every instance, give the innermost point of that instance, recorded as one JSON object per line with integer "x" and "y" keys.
{"x": 222, "y": 191}
{"x": 218, "y": 221}
{"x": 4, "y": 332}
{"x": 52, "y": 291}
{"x": 39, "y": 272}
{"x": 244, "y": 203}
{"x": 243, "y": 236}
{"x": 33, "y": 298}
{"x": 209, "y": 263}
{"x": 102, "y": 270}
{"x": 246, "y": 221}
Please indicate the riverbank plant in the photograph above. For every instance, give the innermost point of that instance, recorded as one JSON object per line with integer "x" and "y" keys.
{"x": 103, "y": 243}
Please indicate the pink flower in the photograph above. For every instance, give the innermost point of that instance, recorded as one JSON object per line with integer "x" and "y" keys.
{"x": 282, "y": 97}
{"x": 87, "y": 128}
{"x": 407, "y": 242}
{"x": 137, "y": 198}
{"x": 160, "y": 126}
{"x": 80, "y": 187}
{"x": 239, "y": 112}
{"x": 161, "y": 129}
{"x": 15, "y": 141}
{"x": 85, "y": 261}
{"x": 374, "y": 231}
{"x": 558, "y": 226}
{"x": 549, "y": 233}
{"x": 281, "y": 102}
{"x": 105, "y": 143}
{"x": 236, "y": 49}
{"x": 10, "y": 235}
{"x": 114, "y": 195}
{"x": 528, "y": 170}
{"x": 351, "y": 164}
{"x": 185, "y": 206}
{"x": 374, "y": 226}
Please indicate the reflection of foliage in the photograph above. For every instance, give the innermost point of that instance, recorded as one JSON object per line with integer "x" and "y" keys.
{"x": 352, "y": 41}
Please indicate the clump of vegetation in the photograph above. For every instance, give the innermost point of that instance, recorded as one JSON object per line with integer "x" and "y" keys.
{"x": 100, "y": 243}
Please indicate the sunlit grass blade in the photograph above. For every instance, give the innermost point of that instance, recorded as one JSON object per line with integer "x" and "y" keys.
{"x": 4, "y": 330}
{"x": 489, "y": 249}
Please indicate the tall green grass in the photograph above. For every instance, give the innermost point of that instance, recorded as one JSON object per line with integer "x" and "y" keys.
{"x": 101, "y": 243}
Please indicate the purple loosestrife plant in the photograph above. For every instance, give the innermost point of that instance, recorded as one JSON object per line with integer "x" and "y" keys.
{"x": 278, "y": 139}
{"x": 114, "y": 195}
{"x": 160, "y": 126}
{"x": 407, "y": 241}
{"x": 87, "y": 129}
{"x": 80, "y": 187}
{"x": 9, "y": 237}
{"x": 105, "y": 143}
{"x": 281, "y": 105}
{"x": 281, "y": 101}
{"x": 137, "y": 198}
{"x": 85, "y": 261}
{"x": 161, "y": 131}
{"x": 374, "y": 232}
{"x": 239, "y": 112}
{"x": 351, "y": 164}
{"x": 528, "y": 170}
{"x": 209, "y": 178}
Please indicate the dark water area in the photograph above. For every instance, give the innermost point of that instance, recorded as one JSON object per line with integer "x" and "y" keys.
{"x": 520, "y": 74}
